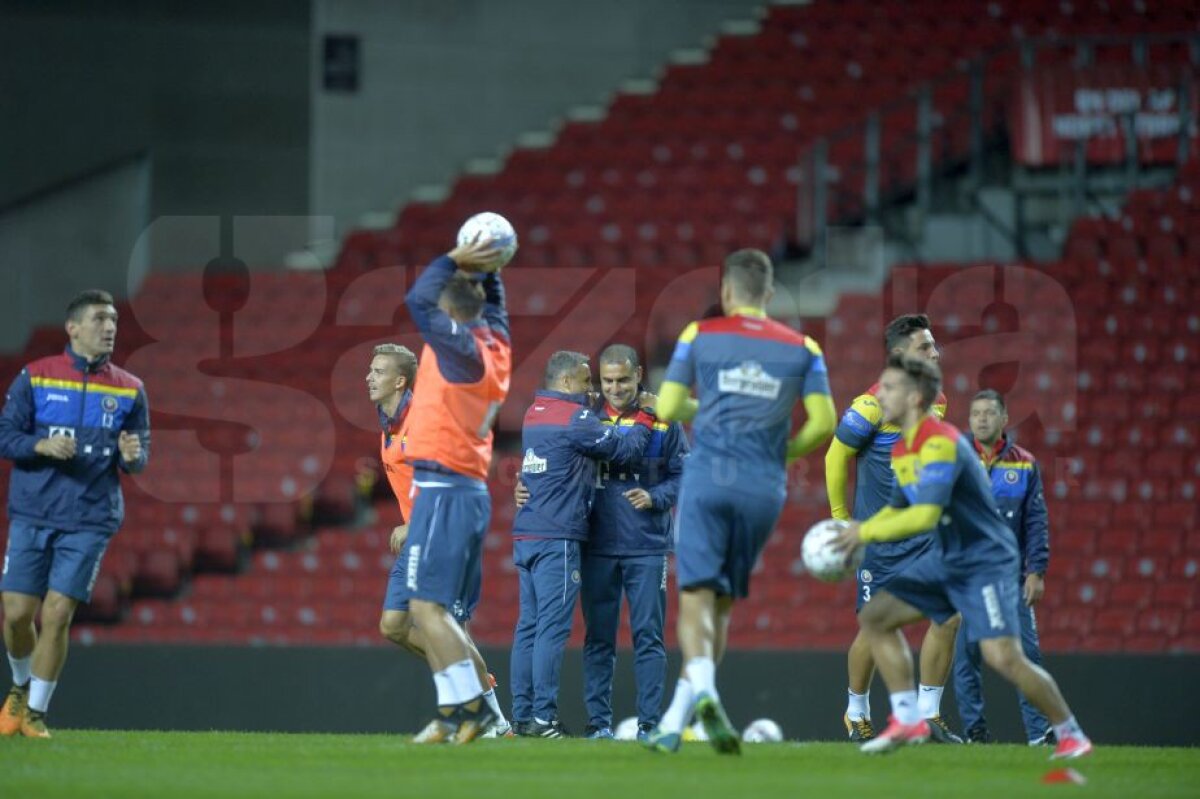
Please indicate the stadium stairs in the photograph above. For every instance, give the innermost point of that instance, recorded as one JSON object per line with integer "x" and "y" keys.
{"x": 293, "y": 550}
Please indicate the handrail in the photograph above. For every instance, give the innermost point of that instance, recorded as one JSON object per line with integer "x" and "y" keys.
{"x": 818, "y": 196}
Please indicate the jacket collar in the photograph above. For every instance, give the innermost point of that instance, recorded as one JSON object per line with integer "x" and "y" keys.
{"x": 578, "y": 399}
{"x": 82, "y": 364}
{"x": 612, "y": 413}
{"x": 389, "y": 423}
{"x": 1002, "y": 445}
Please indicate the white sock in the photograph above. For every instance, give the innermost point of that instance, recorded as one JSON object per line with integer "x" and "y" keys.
{"x": 40, "y": 692}
{"x": 929, "y": 701}
{"x": 702, "y": 674}
{"x": 680, "y": 711}
{"x": 858, "y": 706}
{"x": 1069, "y": 728}
{"x": 20, "y": 669}
{"x": 489, "y": 696}
{"x": 904, "y": 707}
{"x": 466, "y": 681}
{"x": 445, "y": 688}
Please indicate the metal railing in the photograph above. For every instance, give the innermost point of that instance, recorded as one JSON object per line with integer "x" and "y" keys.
{"x": 851, "y": 175}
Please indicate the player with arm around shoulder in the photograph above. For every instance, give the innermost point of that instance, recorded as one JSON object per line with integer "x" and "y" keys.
{"x": 563, "y": 440}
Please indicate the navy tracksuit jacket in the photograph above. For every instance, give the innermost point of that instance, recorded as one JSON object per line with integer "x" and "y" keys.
{"x": 563, "y": 439}
{"x": 1017, "y": 486}
{"x": 628, "y": 552}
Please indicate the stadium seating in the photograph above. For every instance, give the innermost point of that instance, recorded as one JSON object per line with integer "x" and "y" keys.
{"x": 243, "y": 529}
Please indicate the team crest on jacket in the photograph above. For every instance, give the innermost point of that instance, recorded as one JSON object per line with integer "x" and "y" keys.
{"x": 575, "y": 575}
{"x": 1011, "y": 476}
{"x": 865, "y": 576}
{"x": 109, "y": 404}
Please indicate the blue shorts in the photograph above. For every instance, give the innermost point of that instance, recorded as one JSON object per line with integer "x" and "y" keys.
{"x": 722, "y": 530}
{"x": 43, "y": 558}
{"x": 397, "y": 594}
{"x": 882, "y": 562}
{"x": 987, "y": 599}
{"x": 441, "y": 561}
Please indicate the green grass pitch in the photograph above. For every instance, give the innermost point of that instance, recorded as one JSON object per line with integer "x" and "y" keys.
{"x": 176, "y": 765}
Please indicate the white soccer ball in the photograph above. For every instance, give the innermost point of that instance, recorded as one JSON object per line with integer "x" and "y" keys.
{"x": 762, "y": 731}
{"x": 627, "y": 730}
{"x": 821, "y": 559}
{"x": 493, "y": 228}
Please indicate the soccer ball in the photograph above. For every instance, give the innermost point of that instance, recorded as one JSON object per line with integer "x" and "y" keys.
{"x": 821, "y": 559}
{"x": 493, "y": 228}
{"x": 762, "y": 731}
{"x": 695, "y": 732}
{"x": 627, "y": 730}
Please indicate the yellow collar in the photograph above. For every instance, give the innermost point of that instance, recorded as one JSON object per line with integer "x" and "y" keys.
{"x": 749, "y": 310}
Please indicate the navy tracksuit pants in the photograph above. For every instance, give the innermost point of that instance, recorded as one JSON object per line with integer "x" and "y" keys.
{"x": 643, "y": 579}
{"x": 548, "y": 569}
{"x": 968, "y": 686}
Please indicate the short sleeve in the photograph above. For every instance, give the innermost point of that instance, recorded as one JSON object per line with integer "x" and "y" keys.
{"x": 860, "y": 422}
{"x": 939, "y": 469}
{"x": 816, "y": 379}
{"x": 682, "y": 368}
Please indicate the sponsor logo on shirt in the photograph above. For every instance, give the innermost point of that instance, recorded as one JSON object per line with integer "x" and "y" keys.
{"x": 532, "y": 464}
{"x": 749, "y": 380}
{"x": 57, "y": 398}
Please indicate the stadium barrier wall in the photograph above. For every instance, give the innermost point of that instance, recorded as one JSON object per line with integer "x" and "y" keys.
{"x": 1119, "y": 698}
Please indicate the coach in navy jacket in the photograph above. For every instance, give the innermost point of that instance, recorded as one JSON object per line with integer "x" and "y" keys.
{"x": 632, "y": 538}
{"x": 562, "y": 438}
{"x": 1016, "y": 484}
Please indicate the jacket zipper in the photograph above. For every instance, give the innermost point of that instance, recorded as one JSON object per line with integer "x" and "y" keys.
{"x": 82, "y": 407}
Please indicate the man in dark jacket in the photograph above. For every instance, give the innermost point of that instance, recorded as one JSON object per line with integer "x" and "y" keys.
{"x": 1017, "y": 486}
{"x": 70, "y": 424}
{"x": 563, "y": 439}
{"x": 631, "y": 539}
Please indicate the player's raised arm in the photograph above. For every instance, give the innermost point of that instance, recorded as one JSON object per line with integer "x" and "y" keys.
{"x": 675, "y": 401}
{"x": 450, "y": 337}
{"x": 821, "y": 417}
{"x": 495, "y": 308}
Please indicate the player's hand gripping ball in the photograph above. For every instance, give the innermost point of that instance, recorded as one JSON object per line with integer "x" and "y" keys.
{"x": 493, "y": 230}
{"x": 822, "y": 557}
